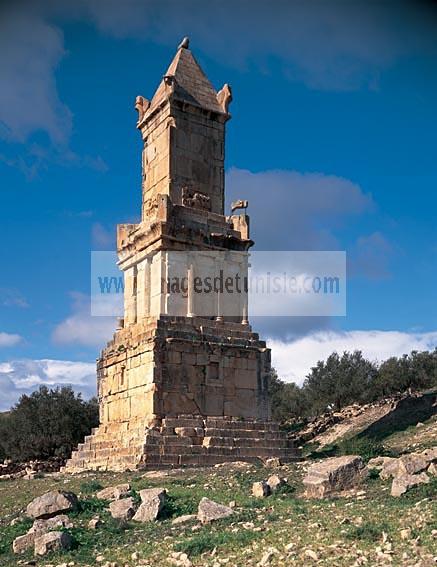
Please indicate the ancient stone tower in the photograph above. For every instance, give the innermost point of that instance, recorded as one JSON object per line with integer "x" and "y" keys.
{"x": 179, "y": 384}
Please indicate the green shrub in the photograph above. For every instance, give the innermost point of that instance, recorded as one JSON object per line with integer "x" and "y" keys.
{"x": 47, "y": 423}
{"x": 207, "y": 541}
{"x": 365, "y": 447}
{"x": 90, "y": 486}
{"x": 367, "y": 531}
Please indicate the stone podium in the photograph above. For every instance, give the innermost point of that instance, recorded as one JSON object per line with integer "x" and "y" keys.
{"x": 178, "y": 386}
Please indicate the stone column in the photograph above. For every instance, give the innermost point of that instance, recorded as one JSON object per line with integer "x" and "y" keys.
{"x": 130, "y": 295}
{"x": 219, "y": 302}
{"x": 143, "y": 289}
{"x": 190, "y": 299}
{"x": 164, "y": 293}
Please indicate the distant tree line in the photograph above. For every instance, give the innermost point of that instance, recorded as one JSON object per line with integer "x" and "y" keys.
{"x": 46, "y": 423}
{"x": 350, "y": 378}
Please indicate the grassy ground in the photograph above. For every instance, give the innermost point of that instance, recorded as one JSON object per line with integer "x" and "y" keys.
{"x": 361, "y": 528}
{"x": 345, "y": 531}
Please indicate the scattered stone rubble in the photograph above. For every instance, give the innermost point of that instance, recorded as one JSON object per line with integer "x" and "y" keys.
{"x": 40, "y": 527}
{"x": 123, "y": 509}
{"x": 332, "y": 426}
{"x": 45, "y": 534}
{"x": 267, "y": 487}
{"x": 29, "y": 470}
{"x": 407, "y": 471}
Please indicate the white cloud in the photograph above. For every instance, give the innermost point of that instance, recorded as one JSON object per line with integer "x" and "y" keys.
{"x": 8, "y": 339}
{"x": 30, "y": 50}
{"x": 82, "y": 328}
{"x": 293, "y": 360}
{"x": 298, "y": 206}
{"x": 19, "y": 377}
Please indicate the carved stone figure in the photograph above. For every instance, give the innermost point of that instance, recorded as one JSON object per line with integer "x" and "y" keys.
{"x": 224, "y": 97}
{"x": 141, "y": 105}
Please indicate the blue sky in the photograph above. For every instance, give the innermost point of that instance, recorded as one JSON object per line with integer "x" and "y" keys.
{"x": 332, "y": 140}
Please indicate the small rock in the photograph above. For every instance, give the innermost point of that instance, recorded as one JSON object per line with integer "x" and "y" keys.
{"x": 123, "y": 509}
{"x": 265, "y": 559}
{"x": 311, "y": 554}
{"x": 378, "y": 463}
{"x": 95, "y": 523}
{"x": 273, "y": 462}
{"x": 276, "y": 482}
{"x": 432, "y": 469}
{"x": 52, "y": 503}
{"x": 52, "y": 541}
{"x": 210, "y": 511}
{"x": 180, "y": 559}
{"x": 261, "y": 489}
{"x": 390, "y": 468}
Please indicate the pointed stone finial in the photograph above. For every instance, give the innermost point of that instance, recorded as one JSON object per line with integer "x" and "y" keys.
{"x": 185, "y": 43}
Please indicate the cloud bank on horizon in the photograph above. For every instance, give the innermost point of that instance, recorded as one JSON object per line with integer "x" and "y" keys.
{"x": 18, "y": 377}
{"x": 294, "y": 360}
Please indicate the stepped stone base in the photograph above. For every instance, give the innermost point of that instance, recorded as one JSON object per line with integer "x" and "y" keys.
{"x": 180, "y": 441}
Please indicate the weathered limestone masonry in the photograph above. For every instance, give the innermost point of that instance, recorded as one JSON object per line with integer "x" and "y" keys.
{"x": 181, "y": 389}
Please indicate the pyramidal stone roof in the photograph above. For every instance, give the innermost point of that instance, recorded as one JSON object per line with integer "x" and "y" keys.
{"x": 190, "y": 83}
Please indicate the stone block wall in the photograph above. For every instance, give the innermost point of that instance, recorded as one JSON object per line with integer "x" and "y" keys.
{"x": 177, "y": 365}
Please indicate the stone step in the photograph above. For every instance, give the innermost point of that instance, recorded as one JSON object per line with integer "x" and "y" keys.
{"x": 244, "y": 433}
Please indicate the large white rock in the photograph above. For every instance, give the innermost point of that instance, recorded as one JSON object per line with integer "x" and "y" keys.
{"x": 114, "y": 492}
{"x": 52, "y": 541}
{"x": 51, "y": 504}
{"x": 334, "y": 475}
{"x": 123, "y": 509}
{"x": 152, "y": 502}
{"x": 404, "y": 482}
{"x": 209, "y": 511}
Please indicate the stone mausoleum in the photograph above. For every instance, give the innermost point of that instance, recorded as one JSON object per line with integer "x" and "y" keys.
{"x": 178, "y": 384}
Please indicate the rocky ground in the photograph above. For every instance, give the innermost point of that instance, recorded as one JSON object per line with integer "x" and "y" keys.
{"x": 272, "y": 523}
